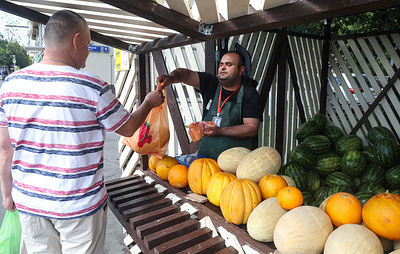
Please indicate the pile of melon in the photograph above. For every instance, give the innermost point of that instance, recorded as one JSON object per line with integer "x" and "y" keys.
{"x": 302, "y": 207}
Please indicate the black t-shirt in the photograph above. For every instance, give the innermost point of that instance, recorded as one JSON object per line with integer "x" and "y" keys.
{"x": 251, "y": 99}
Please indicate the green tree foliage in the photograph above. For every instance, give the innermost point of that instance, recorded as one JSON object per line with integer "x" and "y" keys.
{"x": 380, "y": 20}
{"x": 8, "y": 49}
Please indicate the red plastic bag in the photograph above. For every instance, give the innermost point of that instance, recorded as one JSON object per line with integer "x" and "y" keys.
{"x": 153, "y": 136}
{"x": 194, "y": 129}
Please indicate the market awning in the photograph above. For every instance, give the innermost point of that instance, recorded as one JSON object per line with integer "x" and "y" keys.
{"x": 143, "y": 25}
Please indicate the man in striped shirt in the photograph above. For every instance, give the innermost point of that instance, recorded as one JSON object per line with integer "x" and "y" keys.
{"x": 54, "y": 118}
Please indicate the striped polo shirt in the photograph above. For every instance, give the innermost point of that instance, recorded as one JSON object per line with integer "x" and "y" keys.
{"x": 57, "y": 117}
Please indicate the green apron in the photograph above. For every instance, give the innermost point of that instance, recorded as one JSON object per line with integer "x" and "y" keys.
{"x": 231, "y": 115}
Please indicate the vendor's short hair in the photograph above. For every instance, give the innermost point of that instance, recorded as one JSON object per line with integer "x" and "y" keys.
{"x": 241, "y": 57}
{"x": 61, "y": 25}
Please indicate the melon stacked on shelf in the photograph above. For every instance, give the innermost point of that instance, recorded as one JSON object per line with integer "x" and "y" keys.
{"x": 328, "y": 161}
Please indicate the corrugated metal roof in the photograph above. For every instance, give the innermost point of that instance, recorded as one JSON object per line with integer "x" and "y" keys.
{"x": 145, "y": 25}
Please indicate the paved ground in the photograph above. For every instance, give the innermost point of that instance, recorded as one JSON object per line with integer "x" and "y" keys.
{"x": 114, "y": 238}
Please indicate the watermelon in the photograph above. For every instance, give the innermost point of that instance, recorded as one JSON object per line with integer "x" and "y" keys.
{"x": 392, "y": 177}
{"x": 307, "y": 197}
{"x": 312, "y": 180}
{"x": 374, "y": 173}
{"x": 283, "y": 168}
{"x": 306, "y": 129}
{"x": 297, "y": 173}
{"x": 395, "y": 191}
{"x": 348, "y": 143}
{"x": 372, "y": 187}
{"x": 341, "y": 188}
{"x": 320, "y": 120}
{"x": 353, "y": 163}
{"x": 316, "y": 203}
{"x": 327, "y": 163}
{"x": 339, "y": 178}
{"x": 364, "y": 196}
{"x": 387, "y": 152}
{"x": 322, "y": 193}
{"x": 303, "y": 156}
{"x": 378, "y": 132}
{"x": 318, "y": 144}
{"x": 369, "y": 153}
{"x": 333, "y": 133}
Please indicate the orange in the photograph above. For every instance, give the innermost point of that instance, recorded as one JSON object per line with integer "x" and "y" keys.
{"x": 153, "y": 160}
{"x": 164, "y": 165}
{"x": 271, "y": 184}
{"x": 178, "y": 176}
{"x": 290, "y": 197}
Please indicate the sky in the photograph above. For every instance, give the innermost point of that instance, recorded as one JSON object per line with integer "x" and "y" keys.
{"x": 18, "y": 32}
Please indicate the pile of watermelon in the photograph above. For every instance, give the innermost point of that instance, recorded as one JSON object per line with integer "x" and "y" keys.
{"x": 328, "y": 161}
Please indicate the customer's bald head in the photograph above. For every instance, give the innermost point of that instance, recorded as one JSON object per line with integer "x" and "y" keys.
{"x": 61, "y": 26}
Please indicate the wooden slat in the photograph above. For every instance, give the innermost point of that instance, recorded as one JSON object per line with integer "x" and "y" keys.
{"x": 210, "y": 246}
{"x": 151, "y": 206}
{"x": 209, "y": 12}
{"x": 143, "y": 197}
{"x": 274, "y": 3}
{"x": 153, "y": 216}
{"x": 181, "y": 6}
{"x": 162, "y": 224}
{"x": 170, "y": 233}
{"x": 117, "y": 201}
{"x": 237, "y": 8}
{"x": 184, "y": 242}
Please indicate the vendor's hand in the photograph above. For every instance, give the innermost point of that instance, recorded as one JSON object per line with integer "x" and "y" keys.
{"x": 165, "y": 81}
{"x": 156, "y": 98}
{"x": 8, "y": 204}
{"x": 210, "y": 130}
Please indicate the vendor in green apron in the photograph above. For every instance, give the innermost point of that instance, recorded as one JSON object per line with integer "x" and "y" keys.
{"x": 229, "y": 101}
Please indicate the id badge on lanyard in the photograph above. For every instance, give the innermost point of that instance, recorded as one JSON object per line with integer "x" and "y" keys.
{"x": 217, "y": 119}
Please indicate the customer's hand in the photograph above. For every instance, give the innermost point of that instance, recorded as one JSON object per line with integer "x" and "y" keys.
{"x": 155, "y": 98}
{"x": 8, "y": 204}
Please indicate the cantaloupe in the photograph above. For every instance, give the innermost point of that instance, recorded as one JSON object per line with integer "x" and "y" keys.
{"x": 263, "y": 218}
{"x": 302, "y": 230}
{"x": 353, "y": 239}
{"x": 229, "y": 159}
{"x": 289, "y": 180}
{"x": 258, "y": 163}
{"x": 396, "y": 245}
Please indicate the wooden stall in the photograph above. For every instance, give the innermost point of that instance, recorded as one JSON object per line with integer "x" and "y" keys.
{"x": 353, "y": 80}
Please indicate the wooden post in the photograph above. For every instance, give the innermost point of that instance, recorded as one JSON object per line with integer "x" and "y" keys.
{"x": 324, "y": 70}
{"x": 173, "y": 106}
{"x": 144, "y": 88}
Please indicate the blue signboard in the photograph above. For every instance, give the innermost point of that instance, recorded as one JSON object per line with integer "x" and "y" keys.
{"x": 106, "y": 49}
{"x": 94, "y": 48}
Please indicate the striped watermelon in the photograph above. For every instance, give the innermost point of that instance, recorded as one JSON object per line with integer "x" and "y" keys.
{"x": 353, "y": 163}
{"x": 364, "y": 196}
{"x": 303, "y": 156}
{"x": 318, "y": 144}
{"x": 297, "y": 173}
{"x": 395, "y": 191}
{"x": 307, "y": 197}
{"x": 333, "y": 133}
{"x": 369, "y": 154}
{"x": 306, "y": 129}
{"x": 327, "y": 163}
{"x": 341, "y": 188}
{"x": 374, "y": 173}
{"x": 313, "y": 181}
{"x": 387, "y": 152}
{"x": 372, "y": 187}
{"x": 339, "y": 178}
{"x": 320, "y": 120}
{"x": 322, "y": 193}
{"x": 348, "y": 143}
{"x": 378, "y": 132}
{"x": 393, "y": 177}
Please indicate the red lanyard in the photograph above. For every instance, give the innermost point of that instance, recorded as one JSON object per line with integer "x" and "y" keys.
{"x": 219, "y": 100}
